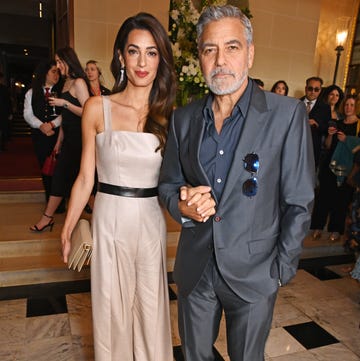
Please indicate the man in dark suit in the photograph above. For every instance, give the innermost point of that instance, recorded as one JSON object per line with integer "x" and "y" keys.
{"x": 319, "y": 114}
{"x": 238, "y": 173}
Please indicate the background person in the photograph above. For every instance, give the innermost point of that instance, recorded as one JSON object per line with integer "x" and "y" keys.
{"x": 93, "y": 73}
{"x": 329, "y": 197}
{"x": 124, "y": 138}
{"x": 238, "y": 173}
{"x": 69, "y": 144}
{"x": 38, "y": 114}
{"x": 280, "y": 87}
{"x": 319, "y": 114}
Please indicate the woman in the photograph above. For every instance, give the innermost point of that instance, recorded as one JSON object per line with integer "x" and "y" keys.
{"x": 72, "y": 99}
{"x": 280, "y": 87}
{"x": 333, "y": 200}
{"x": 125, "y": 138}
{"x": 93, "y": 73}
{"x": 38, "y": 114}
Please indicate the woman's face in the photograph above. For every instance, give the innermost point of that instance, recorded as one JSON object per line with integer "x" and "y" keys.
{"x": 92, "y": 72}
{"x": 333, "y": 97}
{"x": 141, "y": 58}
{"x": 280, "y": 89}
{"x": 52, "y": 76}
{"x": 62, "y": 66}
{"x": 349, "y": 107}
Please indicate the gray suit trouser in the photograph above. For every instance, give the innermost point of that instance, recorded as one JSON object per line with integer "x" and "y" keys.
{"x": 247, "y": 324}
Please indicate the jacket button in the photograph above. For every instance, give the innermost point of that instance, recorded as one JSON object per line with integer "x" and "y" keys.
{"x": 217, "y": 219}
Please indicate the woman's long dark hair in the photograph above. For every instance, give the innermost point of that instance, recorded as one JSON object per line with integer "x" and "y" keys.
{"x": 39, "y": 76}
{"x": 328, "y": 90}
{"x": 69, "y": 56}
{"x": 280, "y": 82}
{"x": 163, "y": 91}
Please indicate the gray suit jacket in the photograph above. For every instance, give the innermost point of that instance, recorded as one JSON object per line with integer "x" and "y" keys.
{"x": 257, "y": 240}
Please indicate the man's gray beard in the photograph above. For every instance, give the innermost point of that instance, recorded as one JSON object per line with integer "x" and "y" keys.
{"x": 232, "y": 89}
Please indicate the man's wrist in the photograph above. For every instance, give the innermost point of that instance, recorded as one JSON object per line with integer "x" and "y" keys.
{"x": 65, "y": 105}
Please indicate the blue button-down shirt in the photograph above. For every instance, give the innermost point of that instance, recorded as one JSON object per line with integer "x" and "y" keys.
{"x": 217, "y": 150}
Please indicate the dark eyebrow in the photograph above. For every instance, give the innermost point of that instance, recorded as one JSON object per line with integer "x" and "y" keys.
{"x": 148, "y": 48}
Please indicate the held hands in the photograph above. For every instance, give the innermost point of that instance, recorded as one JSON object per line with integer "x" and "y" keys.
{"x": 196, "y": 203}
{"x": 46, "y": 128}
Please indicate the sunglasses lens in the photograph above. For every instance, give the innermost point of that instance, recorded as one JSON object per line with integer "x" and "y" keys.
{"x": 251, "y": 163}
{"x": 310, "y": 88}
{"x": 250, "y": 187}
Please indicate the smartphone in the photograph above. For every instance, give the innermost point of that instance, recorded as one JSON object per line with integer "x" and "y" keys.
{"x": 333, "y": 123}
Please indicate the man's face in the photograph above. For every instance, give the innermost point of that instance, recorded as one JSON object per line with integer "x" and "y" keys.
{"x": 312, "y": 90}
{"x": 225, "y": 56}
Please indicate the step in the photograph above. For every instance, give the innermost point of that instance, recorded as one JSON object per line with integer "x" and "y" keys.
{"x": 20, "y": 187}
{"x": 30, "y": 247}
{"x": 28, "y": 258}
{"x": 17, "y": 271}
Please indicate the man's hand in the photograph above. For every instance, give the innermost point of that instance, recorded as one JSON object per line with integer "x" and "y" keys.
{"x": 313, "y": 123}
{"x": 196, "y": 203}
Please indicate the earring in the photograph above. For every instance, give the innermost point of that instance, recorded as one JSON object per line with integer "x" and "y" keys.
{"x": 122, "y": 71}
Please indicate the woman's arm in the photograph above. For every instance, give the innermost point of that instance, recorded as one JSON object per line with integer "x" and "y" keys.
{"x": 80, "y": 91}
{"x": 92, "y": 116}
{"x": 57, "y": 147}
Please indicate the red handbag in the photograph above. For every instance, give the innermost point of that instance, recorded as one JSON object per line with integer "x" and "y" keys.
{"x": 49, "y": 164}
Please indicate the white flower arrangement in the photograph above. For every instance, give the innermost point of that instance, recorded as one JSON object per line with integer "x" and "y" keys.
{"x": 182, "y": 24}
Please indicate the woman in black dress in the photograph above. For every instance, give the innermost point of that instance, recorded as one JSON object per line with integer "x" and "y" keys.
{"x": 72, "y": 99}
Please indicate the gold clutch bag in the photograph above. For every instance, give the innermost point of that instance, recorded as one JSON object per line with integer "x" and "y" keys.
{"x": 81, "y": 245}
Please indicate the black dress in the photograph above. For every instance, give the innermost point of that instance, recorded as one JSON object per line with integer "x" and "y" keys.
{"x": 332, "y": 201}
{"x": 68, "y": 165}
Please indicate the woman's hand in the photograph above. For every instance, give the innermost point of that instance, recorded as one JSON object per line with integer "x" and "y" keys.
{"x": 57, "y": 147}
{"x": 341, "y": 136}
{"x": 332, "y": 130}
{"x": 57, "y": 102}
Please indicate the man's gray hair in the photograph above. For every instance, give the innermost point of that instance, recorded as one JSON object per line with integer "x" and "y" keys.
{"x": 214, "y": 13}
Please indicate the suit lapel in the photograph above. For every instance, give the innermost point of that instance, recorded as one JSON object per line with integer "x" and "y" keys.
{"x": 196, "y": 135}
{"x": 249, "y": 140}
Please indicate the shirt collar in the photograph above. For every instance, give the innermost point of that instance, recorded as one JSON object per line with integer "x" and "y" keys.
{"x": 241, "y": 106}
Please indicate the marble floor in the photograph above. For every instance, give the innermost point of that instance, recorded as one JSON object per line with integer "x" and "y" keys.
{"x": 316, "y": 318}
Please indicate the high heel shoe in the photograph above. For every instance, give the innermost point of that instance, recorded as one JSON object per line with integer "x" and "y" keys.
{"x": 51, "y": 223}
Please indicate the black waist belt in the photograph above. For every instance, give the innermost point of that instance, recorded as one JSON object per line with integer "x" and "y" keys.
{"x": 127, "y": 191}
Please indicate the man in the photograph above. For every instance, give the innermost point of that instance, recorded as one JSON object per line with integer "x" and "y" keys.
{"x": 238, "y": 173}
{"x": 319, "y": 114}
